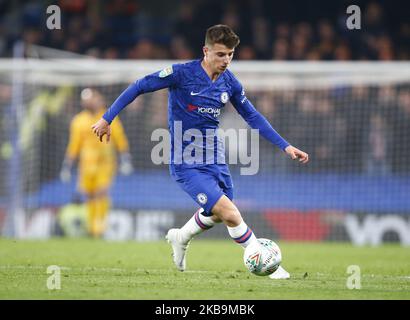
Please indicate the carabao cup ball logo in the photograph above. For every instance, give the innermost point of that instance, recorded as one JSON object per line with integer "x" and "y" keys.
{"x": 202, "y": 198}
{"x": 224, "y": 97}
{"x": 253, "y": 262}
{"x": 262, "y": 257}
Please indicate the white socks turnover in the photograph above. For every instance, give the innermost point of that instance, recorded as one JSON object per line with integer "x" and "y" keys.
{"x": 196, "y": 225}
{"x": 199, "y": 223}
{"x": 242, "y": 234}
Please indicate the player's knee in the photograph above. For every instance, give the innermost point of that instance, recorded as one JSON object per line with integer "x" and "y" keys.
{"x": 226, "y": 211}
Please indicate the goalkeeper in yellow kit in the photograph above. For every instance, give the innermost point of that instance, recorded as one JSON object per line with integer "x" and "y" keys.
{"x": 97, "y": 162}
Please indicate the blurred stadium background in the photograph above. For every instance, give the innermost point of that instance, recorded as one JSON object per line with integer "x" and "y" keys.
{"x": 342, "y": 95}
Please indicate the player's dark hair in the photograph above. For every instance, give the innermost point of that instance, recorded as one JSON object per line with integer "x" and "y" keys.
{"x": 221, "y": 34}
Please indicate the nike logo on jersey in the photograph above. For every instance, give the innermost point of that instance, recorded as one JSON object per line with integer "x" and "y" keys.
{"x": 194, "y": 93}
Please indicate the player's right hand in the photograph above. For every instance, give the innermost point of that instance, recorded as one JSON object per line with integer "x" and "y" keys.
{"x": 101, "y": 128}
{"x": 126, "y": 167}
{"x": 65, "y": 175}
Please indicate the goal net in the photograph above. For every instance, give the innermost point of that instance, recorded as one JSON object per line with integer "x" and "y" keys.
{"x": 352, "y": 118}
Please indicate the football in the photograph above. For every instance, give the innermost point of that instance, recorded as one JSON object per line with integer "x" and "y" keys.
{"x": 262, "y": 257}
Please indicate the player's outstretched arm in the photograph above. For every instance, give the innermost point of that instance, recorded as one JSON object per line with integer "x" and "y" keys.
{"x": 101, "y": 128}
{"x": 257, "y": 121}
{"x": 150, "y": 83}
{"x": 295, "y": 153}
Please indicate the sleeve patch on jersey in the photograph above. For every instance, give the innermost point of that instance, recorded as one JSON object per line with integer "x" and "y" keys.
{"x": 166, "y": 72}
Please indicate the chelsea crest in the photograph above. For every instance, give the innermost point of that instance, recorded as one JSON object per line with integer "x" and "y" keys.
{"x": 224, "y": 97}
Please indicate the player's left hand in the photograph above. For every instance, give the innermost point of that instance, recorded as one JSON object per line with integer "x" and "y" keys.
{"x": 295, "y": 153}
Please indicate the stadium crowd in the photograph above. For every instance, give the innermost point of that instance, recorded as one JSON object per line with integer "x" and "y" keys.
{"x": 286, "y": 30}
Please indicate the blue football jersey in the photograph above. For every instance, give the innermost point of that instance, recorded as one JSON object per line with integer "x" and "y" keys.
{"x": 195, "y": 103}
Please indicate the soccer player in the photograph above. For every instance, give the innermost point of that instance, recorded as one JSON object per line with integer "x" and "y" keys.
{"x": 198, "y": 90}
{"x": 97, "y": 162}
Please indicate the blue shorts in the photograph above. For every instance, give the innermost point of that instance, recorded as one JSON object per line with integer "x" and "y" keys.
{"x": 206, "y": 184}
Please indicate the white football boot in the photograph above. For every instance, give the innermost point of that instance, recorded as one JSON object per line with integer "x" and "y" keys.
{"x": 178, "y": 248}
{"x": 280, "y": 273}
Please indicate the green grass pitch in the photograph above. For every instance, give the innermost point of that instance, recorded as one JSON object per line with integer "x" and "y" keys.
{"x": 97, "y": 269}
